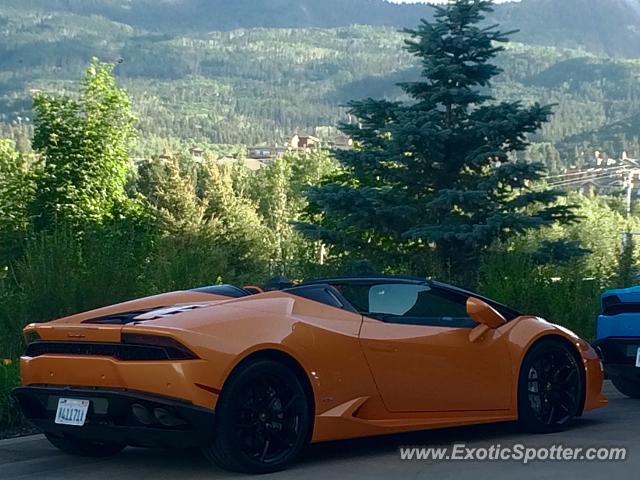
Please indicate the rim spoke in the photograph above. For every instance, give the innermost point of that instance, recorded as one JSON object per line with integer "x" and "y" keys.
{"x": 264, "y": 452}
{"x": 267, "y": 418}
{"x": 290, "y": 403}
{"x": 551, "y": 412}
{"x": 570, "y": 400}
{"x": 552, "y": 387}
{"x": 571, "y": 378}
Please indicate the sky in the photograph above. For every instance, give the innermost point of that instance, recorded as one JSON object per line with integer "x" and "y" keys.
{"x": 436, "y": 1}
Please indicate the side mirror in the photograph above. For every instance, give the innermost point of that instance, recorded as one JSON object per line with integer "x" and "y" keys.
{"x": 485, "y": 315}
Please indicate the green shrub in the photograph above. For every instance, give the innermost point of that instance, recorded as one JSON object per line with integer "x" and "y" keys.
{"x": 10, "y": 416}
{"x": 560, "y": 294}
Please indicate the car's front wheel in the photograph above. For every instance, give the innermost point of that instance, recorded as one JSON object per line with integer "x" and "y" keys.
{"x": 81, "y": 448}
{"x": 627, "y": 387}
{"x": 263, "y": 419}
{"x": 550, "y": 388}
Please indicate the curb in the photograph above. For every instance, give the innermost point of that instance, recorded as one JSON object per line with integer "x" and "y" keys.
{"x": 19, "y": 440}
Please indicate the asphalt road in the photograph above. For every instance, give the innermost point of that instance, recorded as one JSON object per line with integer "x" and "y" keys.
{"x": 618, "y": 425}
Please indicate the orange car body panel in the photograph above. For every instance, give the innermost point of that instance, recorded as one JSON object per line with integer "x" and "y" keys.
{"x": 367, "y": 377}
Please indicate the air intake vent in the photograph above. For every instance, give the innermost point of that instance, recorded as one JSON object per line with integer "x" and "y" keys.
{"x": 124, "y": 352}
{"x": 612, "y": 306}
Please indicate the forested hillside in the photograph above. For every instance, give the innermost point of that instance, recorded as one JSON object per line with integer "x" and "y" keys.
{"x": 259, "y": 85}
{"x": 608, "y": 27}
{"x": 207, "y": 15}
{"x": 601, "y": 26}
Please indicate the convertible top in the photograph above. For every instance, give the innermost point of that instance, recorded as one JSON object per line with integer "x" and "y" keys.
{"x": 316, "y": 290}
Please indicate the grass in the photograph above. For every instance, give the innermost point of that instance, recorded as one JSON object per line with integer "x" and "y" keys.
{"x": 10, "y": 416}
{"x": 563, "y": 295}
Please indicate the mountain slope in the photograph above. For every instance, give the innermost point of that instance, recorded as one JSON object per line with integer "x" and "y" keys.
{"x": 254, "y": 85}
{"x": 207, "y": 15}
{"x": 609, "y": 27}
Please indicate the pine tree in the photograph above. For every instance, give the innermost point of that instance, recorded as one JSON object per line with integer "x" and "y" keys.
{"x": 172, "y": 196}
{"x": 436, "y": 173}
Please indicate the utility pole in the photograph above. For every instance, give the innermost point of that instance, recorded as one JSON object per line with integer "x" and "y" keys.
{"x": 626, "y": 272}
{"x": 323, "y": 253}
{"x": 629, "y": 185}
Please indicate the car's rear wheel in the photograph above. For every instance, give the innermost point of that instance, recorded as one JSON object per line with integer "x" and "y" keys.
{"x": 83, "y": 448}
{"x": 627, "y": 387}
{"x": 263, "y": 419}
{"x": 550, "y": 388}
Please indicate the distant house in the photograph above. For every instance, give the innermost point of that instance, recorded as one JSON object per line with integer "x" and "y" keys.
{"x": 607, "y": 186}
{"x": 196, "y": 153}
{"x": 342, "y": 142}
{"x": 609, "y": 177}
{"x": 588, "y": 188}
{"x": 166, "y": 157}
{"x": 265, "y": 153}
{"x": 305, "y": 142}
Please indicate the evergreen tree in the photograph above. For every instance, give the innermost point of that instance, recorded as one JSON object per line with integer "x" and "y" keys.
{"x": 437, "y": 172}
{"x": 627, "y": 275}
{"x": 172, "y": 196}
{"x": 236, "y": 225}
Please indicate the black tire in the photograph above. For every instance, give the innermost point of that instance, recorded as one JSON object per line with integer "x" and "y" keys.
{"x": 83, "y": 448}
{"x": 627, "y": 387}
{"x": 550, "y": 388}
{"x": 263, "y": 419}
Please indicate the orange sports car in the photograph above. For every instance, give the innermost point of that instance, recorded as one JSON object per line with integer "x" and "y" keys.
{"x": 252, "y": 376}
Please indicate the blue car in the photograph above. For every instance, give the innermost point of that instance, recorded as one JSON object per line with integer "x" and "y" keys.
{"x": 618, "y": 339}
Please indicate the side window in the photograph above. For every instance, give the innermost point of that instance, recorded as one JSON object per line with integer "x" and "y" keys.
{"x": 356, "y": 295}
{"x": 419, "y": 305}
{"x": 394, "y": 299}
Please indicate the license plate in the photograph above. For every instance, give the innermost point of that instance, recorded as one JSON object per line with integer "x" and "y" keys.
{"x": 72, "y": 412}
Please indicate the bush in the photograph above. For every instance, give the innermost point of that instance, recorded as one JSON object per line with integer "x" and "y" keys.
{"x": 189, "y": 260}
{"x": 10, "y": 416}
{"x": 561, "y": 294}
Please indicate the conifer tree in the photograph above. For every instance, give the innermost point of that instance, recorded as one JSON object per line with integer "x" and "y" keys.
{"x": 437, "y": 173}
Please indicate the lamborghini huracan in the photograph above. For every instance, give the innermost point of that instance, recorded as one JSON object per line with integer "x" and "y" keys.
{"x": 251, "y": 377}
{"x": 618, "y": 339}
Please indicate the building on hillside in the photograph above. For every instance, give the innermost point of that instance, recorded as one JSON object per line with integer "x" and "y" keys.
{"x": 166, "y": 157}
{"x": 305, "y": 142}
{"x": 342, "y": 142}
{"x": 601, "y": 187}
{"x": 609, "y": 177}
{"x": 197, "y": 153}
{"x": 298, "y": 143}
{"x": 265, "y": 153}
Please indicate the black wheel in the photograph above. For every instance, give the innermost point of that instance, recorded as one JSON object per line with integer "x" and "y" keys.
{"x": 82, "y": 448}
{"x": 627, "y": 387}
{"x": 550, "y": 388}
{"x": 263, "y": 419}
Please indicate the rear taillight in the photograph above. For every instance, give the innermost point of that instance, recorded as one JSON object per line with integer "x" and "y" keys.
{"x": 31, "y": 336}
{"x": 174, "y": 349}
